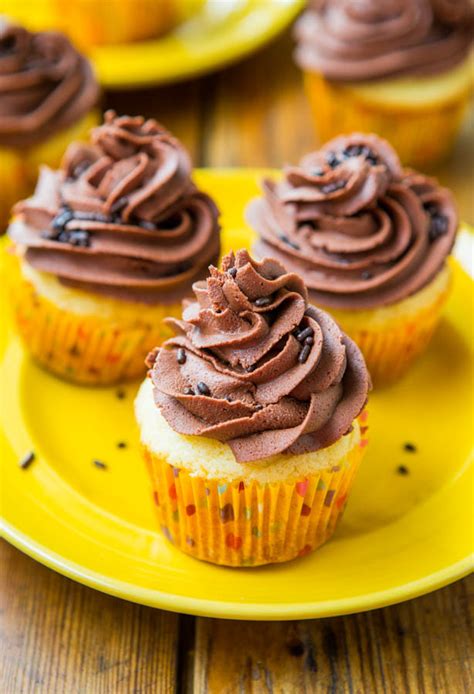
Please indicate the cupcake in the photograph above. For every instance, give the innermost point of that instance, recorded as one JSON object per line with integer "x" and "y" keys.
{"x": 252, "y": 419}
{"x": 399, "y": 68}
{"x": 91, "y": 23}
{"x": 106, "y": 247}
{"x": 369, "y": 238}
{"x": 47, "y": 97}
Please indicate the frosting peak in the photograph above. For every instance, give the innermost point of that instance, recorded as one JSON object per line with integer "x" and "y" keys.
{"x": 352, "y": 40}
{"x": 122, "y": 216}
{"x": 359, "y": 229}
{"x": 45, "y": 85}
{"x": 253, "y": 364}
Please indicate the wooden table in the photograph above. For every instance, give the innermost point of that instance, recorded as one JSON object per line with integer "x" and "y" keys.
{"x": 57, "y": 636}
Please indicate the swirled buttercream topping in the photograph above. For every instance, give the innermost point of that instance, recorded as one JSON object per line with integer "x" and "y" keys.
{"x": 254, "y": 365}
{"x": 353, "y": 40}
{"x": 45, "y": 85}
{"x": 360, "y": 230}
{"x": 122, "y": 217}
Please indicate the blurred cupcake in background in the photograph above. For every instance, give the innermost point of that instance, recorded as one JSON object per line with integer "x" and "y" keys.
{"x": 92, "y": 23}
{"x": 48, "y": 95}
{"x": 370, "y": 239}
{"x": 252, "y": 419}
{"x": 98, "y": 22}
{"x": 399, "y": 68}
{"x": 106, "y": 247}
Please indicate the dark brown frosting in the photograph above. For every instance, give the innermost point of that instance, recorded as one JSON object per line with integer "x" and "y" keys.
{"x": 359, "y": 229}
{"x": 351, "y": 40}
{"x": 254, "y": 365}
{"x": 45, "y": 85}
{"x": 122, "y": 217}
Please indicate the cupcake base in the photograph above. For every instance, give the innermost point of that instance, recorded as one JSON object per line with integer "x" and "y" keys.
{"x": 392, "y": 337}
{"x": 85, "y": 338}
{"x": 422, "y": 131}
{"x": 245, "y": 515}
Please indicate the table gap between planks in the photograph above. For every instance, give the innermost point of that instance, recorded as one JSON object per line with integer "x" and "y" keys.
{"x": 58, "y": 636}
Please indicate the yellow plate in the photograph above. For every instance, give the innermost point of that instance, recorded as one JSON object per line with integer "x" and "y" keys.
{"x": 403, "y": 535}
{"x": 216, "y": 33}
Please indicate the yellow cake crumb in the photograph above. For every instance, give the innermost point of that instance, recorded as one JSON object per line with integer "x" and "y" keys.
{"x": 211, "y": 459}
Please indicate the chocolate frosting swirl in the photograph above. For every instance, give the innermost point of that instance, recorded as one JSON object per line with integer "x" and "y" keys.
{"x": 359, "y": 229}
{"x": 352, "y": 40}
{"x": 122, "y": 217}
{"x": 45, "y": 85}
{"x": 254, "y": 365}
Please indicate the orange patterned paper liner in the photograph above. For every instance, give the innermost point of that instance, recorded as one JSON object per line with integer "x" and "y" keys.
{"x": 243, "y": 523}
{"x": 390, "y": 351}
{"x": 84, "y": 348}
{"x": 420, "y": 135}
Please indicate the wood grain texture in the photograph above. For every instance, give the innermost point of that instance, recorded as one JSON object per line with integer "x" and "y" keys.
{"x": 58, "y": 636}
{"x": 424, "y": 645}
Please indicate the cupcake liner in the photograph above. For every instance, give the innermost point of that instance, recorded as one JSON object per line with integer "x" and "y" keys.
{"x": 390, "y": 350}
{"x": 248, "y": 523}
{"x": 19, "y": 167}
{"x": 422, "y": 135}
{"x": 89, "y": 23}
{"x": 88, "y": 349}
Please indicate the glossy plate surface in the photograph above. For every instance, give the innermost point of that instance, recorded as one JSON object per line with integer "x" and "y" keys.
{"x": 216, "y": 34}
{"x": 402, "y": 535}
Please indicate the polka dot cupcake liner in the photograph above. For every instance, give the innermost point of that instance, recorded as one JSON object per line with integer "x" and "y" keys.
{"x": 87, "y": 349}
{"x": 421, "y": 135}
{"x": 390, "y": 351}
{"x": 247, "y": 523}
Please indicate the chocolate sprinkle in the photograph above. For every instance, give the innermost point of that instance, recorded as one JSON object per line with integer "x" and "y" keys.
{"x": 145, "y": 224}
{"x": 181, "y": 356}
{"x": 403, "y": 470}
{"x": 332, "y": 159}
{"x": 409, "y": 447}
{"x": 307, "y": 332}
{"x": 188, "y": 391}
{"x": 304, "y": 354}
{"x": 120, "y": 394}
{"x": 101, "y": 465}
{"x": 119, "y": 205}
{"x": 121, "y": 444}
{"x": 333, "y": 187}
{"x": 27, "y": 459}
{"x": 309, "y": 341}
{"x": 288, "y": 242}
{"x": 263, "y": 301}
{"x": 438, "y": 226}
{"x": 232, "y": 271}
{"x": 61, "y": 219}
{"x": 203, "y": 389}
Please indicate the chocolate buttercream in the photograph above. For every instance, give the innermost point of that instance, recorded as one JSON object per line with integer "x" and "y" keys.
{"x": 353, "y": 40}
{"x": 254, "y": 365}
{"x": 122, "y": 217}
{"x": 359, "y": 229}
{"x": 45, "y": 85}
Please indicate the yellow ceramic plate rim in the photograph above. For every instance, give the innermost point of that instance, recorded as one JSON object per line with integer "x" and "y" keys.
{"x": 235, "y": 609}
{"x": 181, "y": 54}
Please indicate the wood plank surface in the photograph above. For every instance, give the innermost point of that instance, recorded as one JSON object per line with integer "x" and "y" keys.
{"x": 57, "y": 636}
{"x": 423, "y": 645}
